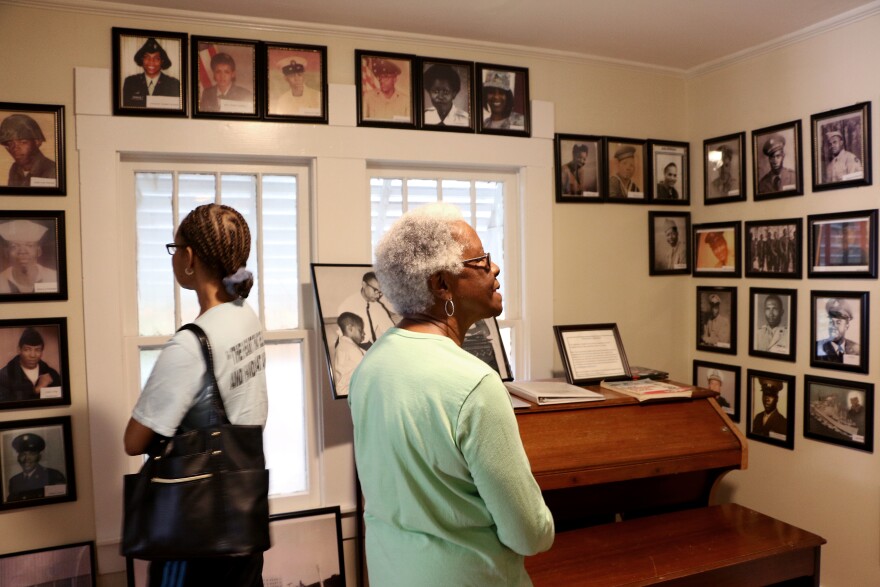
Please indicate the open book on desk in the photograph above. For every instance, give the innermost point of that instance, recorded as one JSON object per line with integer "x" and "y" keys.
{"x": 647, "y": 389}
{"x": 551, "y": 392}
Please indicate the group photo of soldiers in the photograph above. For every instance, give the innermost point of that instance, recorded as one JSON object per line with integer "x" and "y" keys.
{"x": 773, "y": 249}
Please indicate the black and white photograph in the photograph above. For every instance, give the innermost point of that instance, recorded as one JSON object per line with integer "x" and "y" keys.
{"x": 503, "y": 100}
{"x": 33, "y": 258}
{"x": 843, "y": 244}
{"x": 668, "y": 238}
{"x": 724, "y": 169}
{"x": 777, "y": 161}
{"x": 839, "y": 412}
{"x": 224, "y": 81}
{"x": 306, "y": 549}
{"x": 670, "y": 172}
{"x": 296, "y": 83}
{"x": 839, "y": 330}
{"x": 625, "y": 160}
{"x": 70, "y": 565}
{"x": 33, "y": 153}
{"x": 387, "y": 94}
{"x": 33, "y": 363}
{"x": 770, "y": 408}
{"x": 723, "y": 379}
{"x": 773, "y": 323}
{"x": 579, "y": 161}
{"x": 716, "y": 319}
{"x": 36, "y": 462}
{"x": 149, "y": 72}
{"x": 774, "y": 248}
{"x": 447, "y": 95}
{"x": 716, "y": 249}
{"x": 842, "y": 147}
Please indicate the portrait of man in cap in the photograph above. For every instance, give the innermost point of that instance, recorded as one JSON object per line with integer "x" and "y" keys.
{"x": 23, "y": 139}
{"x": 34, "y": 481}
{"x": 579, "y": 176}
{"x": 385, "y": 89}
{"x": 771, "y": 421}
{"x": 715, "y": 327}
{"x": 778, "y": 178}
{"x": 837, "y": 347}
{"x": 625, "y": 170}
{"x": 22, "y": 246}
{"x": 670, "y": 247}
{"x": 842, "y": 165}
{"x": 447, "y": 89}
{"x": 292, "y": 93}
{"x": 27, "y": 376}
{"x": 716, "y": 249}
{"x": 151, "y": 87}
{"x": 723, "y": 179}
{"x": 225, "y": 94}
{"x": 772, "y": 333}
{"x": 499, "y": 100}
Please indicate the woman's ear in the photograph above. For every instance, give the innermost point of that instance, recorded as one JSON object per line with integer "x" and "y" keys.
{"x": 438, "y": 283}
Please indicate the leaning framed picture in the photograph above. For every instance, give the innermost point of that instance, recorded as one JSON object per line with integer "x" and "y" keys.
{"x": 33, "y": 355}
{"x": 839, "y": 412}
{"x": 306, "y": 549}
{"x": 770, "y": 408}
{"x": 668, "y": 238}
{"x": 842, "y": 244}
{"x": 36, "y": 462}
{"x": 716, "y": 249}
{"x": 626, "y": 170}
{"x": 69, "y": 564}
{"x": 669, "y": 164}
{"x": 149, "y": 72}
{"x": 503, "y": 98}
{"x": 579, "y": 162}
{"x": 773, "y": 323}
{"x": 591, "y": 353}
{"x": 716, "y": 319}
{"x": 33, "y": 264}
{"x": 777, "y": 161}
{"x": 774, "y": 248}
{"x": 724, "y": 169}
{"x": 841, "y": 145}
{"x": 224, "y": 81}
{"x": 839, "y": 330}
{"x": 447, "y": 95}
{"x": 33, "y": 160}
{"x": 296, "y": 83}
{"x": 724, "y": 379}
{"x": 387, "y": 89}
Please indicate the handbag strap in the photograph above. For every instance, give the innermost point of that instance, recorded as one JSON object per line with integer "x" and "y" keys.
{"x": 216, "y": 399}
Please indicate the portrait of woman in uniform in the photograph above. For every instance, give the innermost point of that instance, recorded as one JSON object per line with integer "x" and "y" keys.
{"x": 149, "y": 72}
{"x": 224, "y": 78}
{"x": 447, "y": 95}
{"x": 503, "y": 97}
{"x": 32, "y": 153}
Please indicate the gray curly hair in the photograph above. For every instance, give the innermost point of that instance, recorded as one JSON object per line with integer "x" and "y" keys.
{"x": 418, "y": 245}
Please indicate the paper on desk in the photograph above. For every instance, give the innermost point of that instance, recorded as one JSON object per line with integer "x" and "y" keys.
{"x": 552, "y": 392}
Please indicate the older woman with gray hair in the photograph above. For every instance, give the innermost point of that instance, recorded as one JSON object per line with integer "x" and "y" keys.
{"x": 449, "y": 494}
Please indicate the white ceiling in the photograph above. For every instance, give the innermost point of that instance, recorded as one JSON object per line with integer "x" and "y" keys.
{"x": 680, "y": 35}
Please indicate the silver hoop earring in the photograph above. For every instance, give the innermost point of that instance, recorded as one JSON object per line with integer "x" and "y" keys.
{"x": 188, "y": 271}
{"x": 449, "y": 304}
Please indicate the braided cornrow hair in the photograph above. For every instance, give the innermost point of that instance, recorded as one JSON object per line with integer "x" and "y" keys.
{"x": 220, "y": 237}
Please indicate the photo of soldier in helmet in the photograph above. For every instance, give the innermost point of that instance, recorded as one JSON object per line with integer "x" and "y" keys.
{"x": 22, "y": 138}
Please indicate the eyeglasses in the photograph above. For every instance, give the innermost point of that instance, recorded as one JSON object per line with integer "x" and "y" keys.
{"x": 487, "y": 257}
{"x": 172, "y": 248}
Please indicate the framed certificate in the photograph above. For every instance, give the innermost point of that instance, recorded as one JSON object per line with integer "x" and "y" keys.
{"x": 592, "y": 353}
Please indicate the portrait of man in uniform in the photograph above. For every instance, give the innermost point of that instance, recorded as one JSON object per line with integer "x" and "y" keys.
{"x": 31, "y": 153}
{"x": 669, "y": 235}
{"x": 626, "y": 170}
{"x": 149, "y": 71}
{"x": 724, "y": 169}
{"x": 769, "y": 403}
{"x": 670, "y": 182}
{"x": 385, "y": 89}
{"x": 842, "y": 147}
{"x": 29, "y": 257}
{"x": 722, "y": 379}
{"x": 297, "y": 82}
{"x": 776, "y": 160}
{"x": 36, "y": 461}
{"x": 716, "y": 319}
{"x": 773, "y": 317}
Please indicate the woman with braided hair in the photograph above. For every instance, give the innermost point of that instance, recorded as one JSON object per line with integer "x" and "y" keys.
{"x": 208, "y": 256}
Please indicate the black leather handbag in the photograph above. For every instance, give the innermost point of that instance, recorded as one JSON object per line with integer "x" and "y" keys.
{"x": 205, "y": 494}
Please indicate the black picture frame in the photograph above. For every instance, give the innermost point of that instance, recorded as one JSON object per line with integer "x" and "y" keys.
{"x": 829, "y": 312}
{"x": 831, "y": 248}
{"x": 669, "y": 165}
{"x": 40, "y": 128}
{"x": 374, "y": 107}
{"x": 33, "y": 242}
{"x": 851, "y": 166}
{"x": 625, "y": 156}
{"x": 724, "y": 169}
{"x": 218, "y": 61}
{"x": 778, "y": 428}
{"x": 290, "y": 68}
{"x": 774, "y": 249}
{"x": 725, "y": 379}
{"x": 716, "y": 331}
{"x": 780, "y": 145}
{"x": 767, "y": 340}
{"x": 716, "y": 249}
{"x": 579, "y": 343}
{"x": 16, "y": 390}
{"x": 669, "y": 242}
{"x": 831, "y": 415}
{"x": 578, "y": 182}
{"x": 454, "y": 81}
{"x": 67, "y": 564}
{"x": 515, "y": 117}
{"x": 131, "y": 96}
{"x": 306, "y": 548}
{"x": 55, "y": 481}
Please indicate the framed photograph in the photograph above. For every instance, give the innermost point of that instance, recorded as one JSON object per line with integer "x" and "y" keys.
{"x": 777, "y": 161}
{"x": 668, "y": 237}
{"x": 579, "y": 161}
{"x": 592, "y": 353}
{"x": 36, "y": 462}
{"x": 33, "y": 257}
{"x": 716, "y": 249}
{"x": 725, "y": 379}
{"x": 774, "y": 248}
{"x": 224, "y": 81}
{"x": 724, "y": 169}
{"x": 716, "y": 319}
{"x": 503, "y": 96}
{"x": 625, "y": 170}
{"x": 296, "y": 83}
{"x": 773, "y": 323}
{"x": 387, "y": 92}
{"x": 843, "y": 244}
{"x": 149, "y": 72}
{"x": 33, "y": 355}
{"x": 670, "y": 172}
{"x": 770, "y": 408}
{"x": 447, "y": 95}
{"x": 842, "y": 147}
{"x": 306, "y": 549}
{"x": 839, "y": 412}
{"x": 70, "y": 564}
{"x": 839, "y": 330}
{"x": 32, "y": 162}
